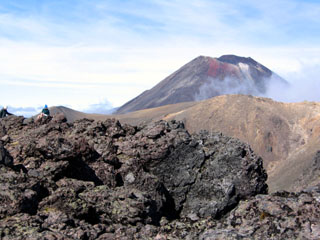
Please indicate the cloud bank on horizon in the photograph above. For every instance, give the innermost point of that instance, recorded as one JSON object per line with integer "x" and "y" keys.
{"x": 83, "y": 54}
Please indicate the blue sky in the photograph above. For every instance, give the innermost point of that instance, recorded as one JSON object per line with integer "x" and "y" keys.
{"x": 90, "y": 53}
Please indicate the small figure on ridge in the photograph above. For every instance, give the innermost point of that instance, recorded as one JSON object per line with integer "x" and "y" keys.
{"x": 4, "y": 112}
{"x": 44, "y": 113}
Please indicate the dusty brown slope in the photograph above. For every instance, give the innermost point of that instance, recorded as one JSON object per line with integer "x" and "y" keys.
{"x": 286, "y": 135}
{"x": 134, "y": 118}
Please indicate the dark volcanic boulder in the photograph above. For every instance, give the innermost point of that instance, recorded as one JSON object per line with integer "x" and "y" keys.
{"x": 205, "y": 174}
{"x": 104, "y": 180}
{"x": 230, "y": 172}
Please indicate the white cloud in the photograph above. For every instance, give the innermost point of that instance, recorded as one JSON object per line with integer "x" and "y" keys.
{"x": 304, "y": 86}
{"x": 103, "y": 107}
{"x": 24, "y": 111}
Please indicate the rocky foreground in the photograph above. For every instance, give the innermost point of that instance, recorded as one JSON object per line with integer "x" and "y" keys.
{"x": 103, "y": 180}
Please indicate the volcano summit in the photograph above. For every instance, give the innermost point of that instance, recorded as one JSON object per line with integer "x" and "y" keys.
{"x": 206, "y": 77}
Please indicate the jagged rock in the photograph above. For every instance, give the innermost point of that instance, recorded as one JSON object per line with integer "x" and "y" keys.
{"x": 43, "y": 120}
{"x": 281, "y": 215}
{"x": 19, "y": 227}
{"x": 205, "y": 175}
{"x": 229, "y": 173}
{"x": 10, "y": 124}
{"x": 5, "y": 157}
{"x": 59, "y": 118}
{"x": 19, "y": 193}
{"x": 102, "y": 180}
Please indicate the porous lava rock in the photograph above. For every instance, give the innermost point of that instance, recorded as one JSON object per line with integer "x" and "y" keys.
{"x": 282, "y": 215}
{"x": 104, "y": 180}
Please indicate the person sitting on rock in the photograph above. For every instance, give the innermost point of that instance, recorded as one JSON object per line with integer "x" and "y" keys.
{"x": 44, "y": 113}
{"x": 4, "y": 112}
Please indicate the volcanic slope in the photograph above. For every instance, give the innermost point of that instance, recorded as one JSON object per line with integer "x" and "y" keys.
{"x": 286, "y": 135}
{"x": 206, "y": 77}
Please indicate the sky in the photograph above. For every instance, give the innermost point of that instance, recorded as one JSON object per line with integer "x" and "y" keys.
{"x": 93, "y": 55}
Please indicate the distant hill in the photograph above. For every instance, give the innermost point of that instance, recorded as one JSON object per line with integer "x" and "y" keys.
{"x": 203, "y": 78}
{"x": 73, "y": 115}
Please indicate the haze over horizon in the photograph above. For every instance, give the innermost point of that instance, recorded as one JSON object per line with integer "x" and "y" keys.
{"x": 95, "y": 55}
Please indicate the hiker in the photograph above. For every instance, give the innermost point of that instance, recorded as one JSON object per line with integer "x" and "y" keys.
{"x": 4, "y": 112}
{"x": 44, "y": 113}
